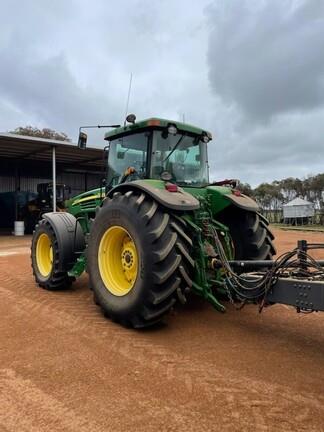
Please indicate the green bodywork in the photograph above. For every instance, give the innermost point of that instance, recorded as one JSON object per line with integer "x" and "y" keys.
{"x": 207, "y": 282}
{"x": 212, "y": 201}
{"x": 84, "y": 206}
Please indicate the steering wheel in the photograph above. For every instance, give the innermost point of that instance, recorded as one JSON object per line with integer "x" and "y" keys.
{"x": 129, "y": 172}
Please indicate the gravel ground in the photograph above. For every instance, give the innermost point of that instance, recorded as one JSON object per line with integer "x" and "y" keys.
{"x": 64, "y": 367}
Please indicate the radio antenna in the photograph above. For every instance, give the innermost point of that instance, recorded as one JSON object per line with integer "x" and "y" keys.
{"x": 128, "y": 96}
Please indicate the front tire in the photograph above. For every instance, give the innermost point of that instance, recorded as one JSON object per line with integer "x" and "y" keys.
{"x": 139, "y": 260}
{"x": 45, "y": 256}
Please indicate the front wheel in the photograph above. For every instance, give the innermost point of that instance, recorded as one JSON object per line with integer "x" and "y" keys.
{"x": 46, "y": 256}
{"x": 139, "y": 260}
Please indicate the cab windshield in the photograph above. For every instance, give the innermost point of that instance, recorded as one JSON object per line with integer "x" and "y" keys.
{"x": 183, "y": 156}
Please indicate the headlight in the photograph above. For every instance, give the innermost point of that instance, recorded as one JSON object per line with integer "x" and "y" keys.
{"x": 172, "y": 130}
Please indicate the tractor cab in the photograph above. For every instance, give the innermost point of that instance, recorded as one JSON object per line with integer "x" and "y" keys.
{"x": 158, "y": 149}
{"x": 45, "y": 193}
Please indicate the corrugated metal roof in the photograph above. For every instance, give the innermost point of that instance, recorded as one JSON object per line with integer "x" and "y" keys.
{"x": 298, "y": 202}
{"x": 40, "y": 149}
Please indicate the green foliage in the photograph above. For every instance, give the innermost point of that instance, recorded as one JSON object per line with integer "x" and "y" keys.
{"x": 271, "y": 196}
{"x": 245, "y": 188}
{"x": 41, "y": 133}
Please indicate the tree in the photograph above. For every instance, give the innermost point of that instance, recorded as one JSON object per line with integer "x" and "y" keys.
{"x": 315, "y": 190}
{"x": 290, "y": 188}
{"x": 41, "y": 133}
{"x": 270, "y": 199}
{"x": 245, "y": 188}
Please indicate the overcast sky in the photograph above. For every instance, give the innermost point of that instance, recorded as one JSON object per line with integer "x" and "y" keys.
{"x": 251, "y": 72}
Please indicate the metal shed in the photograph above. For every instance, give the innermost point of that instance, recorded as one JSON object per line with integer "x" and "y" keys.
{"x": 26, "y": 161}
{"x": 298, "y": 211}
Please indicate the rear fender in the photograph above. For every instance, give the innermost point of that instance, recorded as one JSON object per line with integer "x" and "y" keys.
{"x": 243, "y": 201}
{"x": 222, "y": 197}
{"x": 180, "y": 200}
{"x": 69, "y": 236}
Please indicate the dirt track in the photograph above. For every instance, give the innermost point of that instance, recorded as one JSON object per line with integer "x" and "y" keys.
{"x": 64, "y": 367}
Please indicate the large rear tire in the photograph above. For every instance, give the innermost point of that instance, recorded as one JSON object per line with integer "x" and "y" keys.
{"x": 139, "y": 260}
{"x": 251, "y": 235}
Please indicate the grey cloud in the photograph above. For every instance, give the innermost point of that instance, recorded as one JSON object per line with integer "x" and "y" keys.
{"x": 50, "y": 92}
{"x": 267, "y": 57}
{"x": 70, "y": 68}
{"x": 291, "y": 145}
{"x": 266, "y": 72}
{"x": 250, "y": 72}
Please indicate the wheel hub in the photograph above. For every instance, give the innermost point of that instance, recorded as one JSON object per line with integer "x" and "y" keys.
{"x": 44, "y": 255}
{"x": 118, "y": 260}
{"x": 128, "y": 259}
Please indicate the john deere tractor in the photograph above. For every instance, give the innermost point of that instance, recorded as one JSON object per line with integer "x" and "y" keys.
{"x": 159, "y": 230}
{"x": 42, "y": 203}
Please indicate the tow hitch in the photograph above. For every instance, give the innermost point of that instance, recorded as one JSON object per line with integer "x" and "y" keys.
{"x": 294, "y": 278}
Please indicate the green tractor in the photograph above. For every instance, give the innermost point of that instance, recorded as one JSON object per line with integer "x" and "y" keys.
{"x": 33, "y": 210}
{"x": 158, "y": 230}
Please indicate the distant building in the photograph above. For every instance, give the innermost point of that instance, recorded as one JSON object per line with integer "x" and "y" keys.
{"x": 298, "y": 211}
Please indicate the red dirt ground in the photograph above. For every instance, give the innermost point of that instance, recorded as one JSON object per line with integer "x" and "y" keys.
{"x": 64, "y": 367}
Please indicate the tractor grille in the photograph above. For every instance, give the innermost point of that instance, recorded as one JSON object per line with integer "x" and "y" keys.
{"x": 88, "y": 205}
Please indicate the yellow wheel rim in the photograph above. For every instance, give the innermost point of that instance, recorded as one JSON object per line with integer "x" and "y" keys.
{"x": 118, "y": 261}
{"x": 44, "y": 255}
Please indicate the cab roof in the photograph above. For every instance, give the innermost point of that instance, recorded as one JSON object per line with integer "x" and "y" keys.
{"x": 154, "y": 123}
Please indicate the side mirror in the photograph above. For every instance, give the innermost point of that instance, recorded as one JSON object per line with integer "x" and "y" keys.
{"x": 82, "y": 142}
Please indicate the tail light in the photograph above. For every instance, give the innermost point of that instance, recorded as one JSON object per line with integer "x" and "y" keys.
{"x": 236, "y": 192}
{"x": 171, "y": 187}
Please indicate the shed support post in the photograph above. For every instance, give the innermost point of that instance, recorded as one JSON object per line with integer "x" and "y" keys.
{"x": 17, "y": 188}
{"x": 54, "y": 177}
